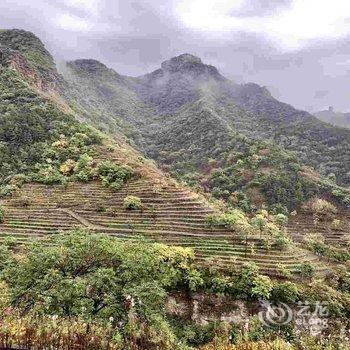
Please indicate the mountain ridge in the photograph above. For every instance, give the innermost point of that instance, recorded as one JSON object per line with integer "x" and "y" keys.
{"x": 185, "y": 121}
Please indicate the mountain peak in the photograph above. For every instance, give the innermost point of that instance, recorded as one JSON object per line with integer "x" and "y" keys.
{"x": 184, "y": 59}
{"x": 190, "y": 64}
{"x": 22, "y": 41}
{"x": 89, "y": 65}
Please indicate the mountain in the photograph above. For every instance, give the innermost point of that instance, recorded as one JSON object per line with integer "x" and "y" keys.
{"x": 229, "y": 139}
{"x": 334, "y": 118}
{"x": 250, "y": 110}
{"x": 231, "y": 142}
{"x": 59, "y": 172}
{"x": 180, "y": 156}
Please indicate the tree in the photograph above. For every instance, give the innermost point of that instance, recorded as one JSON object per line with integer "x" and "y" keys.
{"x": 262, "y": 287}
{"x": 259, "y": 222}
{"x": 97, "y": 277}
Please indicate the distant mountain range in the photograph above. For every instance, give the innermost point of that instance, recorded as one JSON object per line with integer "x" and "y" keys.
{"x": 334, "y": 118}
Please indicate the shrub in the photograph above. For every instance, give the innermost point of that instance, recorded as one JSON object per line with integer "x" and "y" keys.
{"x": 18, "y": 180}
{"x": 322, "y": 208}
{"x": 234, "y": 219}
{"x": 286, "y": 292}
{"x": 7, "y": 190}
{"x": 279, "y": 209}
{"x": 259, "y": 222}
{"x": 337, "y": 225}
{"x": 97, "y": 277}
{"x": 2, "y": 215}
{"x": 306, "y": 270}
{"x": 50, "y": 176}
{"x": 113, "y": 175}
{"x": 281, "y": 219}
{"x": 262, "y": 287}
{"x": 281, "y": 240}
{"x": 284, "y": 271}
{"x": 83, "y": 168}
{"x": 132, "y": 203}
{"x": 196, "y": 334}
{"x": 67, "y": 167}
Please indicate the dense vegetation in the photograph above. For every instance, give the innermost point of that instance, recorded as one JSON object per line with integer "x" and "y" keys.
{"x": 232, "y": 141}
{"x": 228, "y": 139}
{"x": 119, "y": 290}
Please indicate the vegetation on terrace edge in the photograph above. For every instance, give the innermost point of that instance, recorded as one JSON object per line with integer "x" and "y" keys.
{"x": 108, "y": 294}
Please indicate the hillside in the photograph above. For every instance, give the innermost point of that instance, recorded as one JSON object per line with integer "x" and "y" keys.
{"x": 335, "y": 118}
{"x": 214, "y": 134}
{"x": 57, "y": 150}
{"x": 107, "y": 180}
{"x": 249, "y": 109}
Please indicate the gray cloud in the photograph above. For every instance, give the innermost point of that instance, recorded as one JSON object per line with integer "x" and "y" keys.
{"x": 136, "y": 36}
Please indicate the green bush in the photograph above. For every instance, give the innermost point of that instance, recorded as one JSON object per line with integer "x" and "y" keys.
{"x": 50, "y": 176}
{"x": 97, "y": 277}
{"x": 337, "y": 225}
{"x": 262, "y": 287}
{"x": 18, "y": 180}
{"x": 286, "y": 292}
{"x": 322, "y": 208}
{"x": 2, "y": 215}
{"x": 281, "y": 240}
{"x": 331, "y": 252}
{"x": 132, "y": 203}
{"x": 7, "y": 190}
{"x": 113, "y": 175}
{"x": 281, "y": 219}
{"x": 84, "y": 168}
{"x": 233, "y": 219}
{"x": 306, "y": 270}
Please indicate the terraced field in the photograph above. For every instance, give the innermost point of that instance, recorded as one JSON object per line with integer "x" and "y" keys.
{"x": 170, "y": 214}
{"x": 303, "y": 224}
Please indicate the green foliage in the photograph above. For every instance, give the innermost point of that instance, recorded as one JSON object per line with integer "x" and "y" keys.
{"x": 195, "y": 334}
{"x": 132, "y": 203}
{"x": 262, "y": 287}
{"x": 195, "y": 280}
{"x": 281, "y": 219}
{"x": 90, "y": 276}
{"x": 306, "y": 270}
{"x": 2, "y": 214}
{"x": 42, "y": 137}
{"x": 322, "y": 208}
{"x": 113, "y": 175}
{"x": 286, "y": 292}
{"x": 233, "y": 219}
{"x": 337, "y": 225}
{"x": 344, "y": 282}
{"x": 6, "y": 190}
{"x": 338, "y": 303}
{"x": 83, "y": 168}
{"x": 329, "y": 251}
{"x": 282, "y": 240}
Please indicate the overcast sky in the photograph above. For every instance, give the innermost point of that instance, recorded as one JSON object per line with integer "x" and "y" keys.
{"x": 299, "y": 49}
